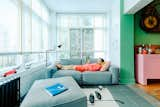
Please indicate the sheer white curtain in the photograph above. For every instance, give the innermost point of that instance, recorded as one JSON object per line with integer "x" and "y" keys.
{"x": 82, "y": 35}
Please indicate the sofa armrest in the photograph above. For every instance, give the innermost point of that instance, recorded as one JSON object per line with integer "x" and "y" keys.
{"x": 115, "y": 74}
{"x": 51, "y": 70}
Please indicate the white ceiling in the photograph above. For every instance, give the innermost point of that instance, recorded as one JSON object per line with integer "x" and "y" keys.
{"x": 132, "y": 6}
{"x": 79, "y": 5}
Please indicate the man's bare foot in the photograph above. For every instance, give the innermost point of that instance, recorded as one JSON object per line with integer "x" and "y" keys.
{"x": 59, "y": 66}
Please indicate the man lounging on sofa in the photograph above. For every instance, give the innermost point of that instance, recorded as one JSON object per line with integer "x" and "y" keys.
{"x": 100, "y": 65}
{"x": 108, "y": 76}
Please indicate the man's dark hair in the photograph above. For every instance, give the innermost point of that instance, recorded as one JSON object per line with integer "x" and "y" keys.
{"x": 101, "y": 59}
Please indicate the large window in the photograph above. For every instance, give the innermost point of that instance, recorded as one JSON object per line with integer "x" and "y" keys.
{"x": 9, "y": 32}
{"x": 24, "y": 27}
{"x": 82, "y": 35}
{"x": 35, "y": 25}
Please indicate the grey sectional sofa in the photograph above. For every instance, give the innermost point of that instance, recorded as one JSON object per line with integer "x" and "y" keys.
{"x": 111, "y": 76}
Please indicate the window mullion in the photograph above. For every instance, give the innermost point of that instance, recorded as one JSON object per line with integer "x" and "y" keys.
{"x": 81, "y": 34}
{"x": 20, "y": 25}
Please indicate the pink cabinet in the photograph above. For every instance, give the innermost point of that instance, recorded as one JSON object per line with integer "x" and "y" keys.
{"x": 147, "y": 67}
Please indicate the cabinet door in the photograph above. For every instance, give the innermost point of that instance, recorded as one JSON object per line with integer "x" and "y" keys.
{"x": 152, "y": 66}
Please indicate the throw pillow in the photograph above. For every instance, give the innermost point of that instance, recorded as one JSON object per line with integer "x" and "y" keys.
{"x": 105, "y": 66}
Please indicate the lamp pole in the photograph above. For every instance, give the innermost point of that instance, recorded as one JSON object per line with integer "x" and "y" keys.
{"x": 51, "y": 50}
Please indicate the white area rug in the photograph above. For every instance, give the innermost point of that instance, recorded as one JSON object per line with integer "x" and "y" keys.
{"x": 106, "y": 101}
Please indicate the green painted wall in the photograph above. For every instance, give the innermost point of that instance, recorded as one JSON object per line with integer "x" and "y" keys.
{"x": 127, "y": 48}
{"x": 142, "y": 37}
{"x": 132, "y": 34}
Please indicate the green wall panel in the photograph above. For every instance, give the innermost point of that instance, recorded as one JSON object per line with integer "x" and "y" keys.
{"x": 127, "y": 48}
{"x": 142, "y": 37}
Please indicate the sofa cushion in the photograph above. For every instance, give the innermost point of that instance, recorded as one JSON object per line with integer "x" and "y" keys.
{"x": 96, "y": 78}
{"x": 105, "y": 67}
{"x": 71, "y": 61}
{"x": 75, "y": 74}
{"x": 93, "y": 60}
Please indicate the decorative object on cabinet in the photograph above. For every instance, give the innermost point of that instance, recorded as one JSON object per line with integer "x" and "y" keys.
{"x": 151, "y": 48}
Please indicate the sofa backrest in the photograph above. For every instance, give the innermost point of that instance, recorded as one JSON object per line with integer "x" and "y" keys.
{"x": 36, "y": 72}
{"x": 77, "y": 61}
{"x": 71, "y": 61}
{"x": 91, "y": 60}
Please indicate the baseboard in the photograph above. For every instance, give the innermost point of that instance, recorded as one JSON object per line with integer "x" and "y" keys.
{"x": 127, "y": 81}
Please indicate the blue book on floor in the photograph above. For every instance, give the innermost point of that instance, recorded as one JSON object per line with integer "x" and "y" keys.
{"x": 55, "y": 89}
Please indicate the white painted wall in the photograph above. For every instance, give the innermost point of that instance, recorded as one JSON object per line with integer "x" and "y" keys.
{"x": 115, "y": 33}
{"x": 129, "y": 4}
{"x": 132, "y": 6}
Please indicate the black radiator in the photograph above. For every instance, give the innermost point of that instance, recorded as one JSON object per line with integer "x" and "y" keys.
{"x": 10, "y": 93}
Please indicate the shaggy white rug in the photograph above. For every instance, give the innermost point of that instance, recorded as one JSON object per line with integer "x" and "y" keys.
{"x": 106, "y": 101}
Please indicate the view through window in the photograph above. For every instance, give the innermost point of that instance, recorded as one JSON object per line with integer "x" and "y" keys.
{"x": 82, "y": 35}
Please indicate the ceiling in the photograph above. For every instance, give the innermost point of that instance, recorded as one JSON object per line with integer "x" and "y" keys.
{"x": 78, "y": 5}
{"x": 133, "y": 6}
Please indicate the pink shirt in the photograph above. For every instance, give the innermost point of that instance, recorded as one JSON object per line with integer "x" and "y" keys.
{"x": 88, "y": 67}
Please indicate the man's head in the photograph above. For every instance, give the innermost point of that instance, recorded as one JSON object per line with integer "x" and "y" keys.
{"x": 100, "y": 60}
